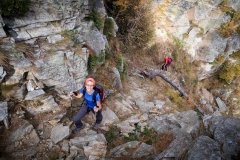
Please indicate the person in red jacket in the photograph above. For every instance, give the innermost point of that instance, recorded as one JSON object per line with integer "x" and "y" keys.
{"x": 167, "y": 61}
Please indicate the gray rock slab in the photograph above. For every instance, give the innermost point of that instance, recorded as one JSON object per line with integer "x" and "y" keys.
{"x": 205, "y": 148}
{"x": 235, "y": 4}
{"x": 94, "y": 38}
{"x": 97, "y": 149}
{"x": 4, "y": 113}
{"x": 109, "y": 117}
{"x": 83, "y": 141}
{"x": 144, "y": 106}
{"x": 59, "y": 133}
{"x": 3, "y": 110}
{"x": 221, "y": 105}
{"x": 65, "y": 146}
{"x": 184, "y": 121}
{"x": 128, "y": 125}
{"x": 124, "y": 149}
{"x": 143, "y": 150}
{"x": 2, "y": 72}
{"x": 24, "y": 129}
{"x": 33, "y": 94}
{"x": 225, "y": 131}
{"x": 48, "y": 104}
{"x": 122, "y": 108}
{"x": 133, "y": 149}
{"x": 2, "y": 32}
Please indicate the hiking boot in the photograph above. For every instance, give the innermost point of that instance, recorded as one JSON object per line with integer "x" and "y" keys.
{"x": 76, "y": 130}
{"x": 96, "y": 126}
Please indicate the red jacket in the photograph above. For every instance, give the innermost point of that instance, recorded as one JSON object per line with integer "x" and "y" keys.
{"x": 168, "y": 60}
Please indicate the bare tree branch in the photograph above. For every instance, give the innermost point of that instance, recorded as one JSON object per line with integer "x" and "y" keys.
{"x": 155, "y": 72}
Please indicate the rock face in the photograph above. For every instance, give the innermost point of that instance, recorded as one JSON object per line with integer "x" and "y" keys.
{"x": 132, "y": 149}
{"x": 183, "y": 121}
{"x": 93, "y": 145}
{"x": 22, "y": 140}
{"x": 49, "y": 48}
{"x": 4, "y": 113}
{"x": 195, "y": 23}
{"x": 225, "y": 131}
{"x": 205, "y": 148}
{"x": 59, "y": 132}
{"x": 2, "y": 32}
{"x": 47, "y": 104}
{"x": 2, "y": 73}
{"x": 53, "y": 35}
{"x": 47, "y": 18}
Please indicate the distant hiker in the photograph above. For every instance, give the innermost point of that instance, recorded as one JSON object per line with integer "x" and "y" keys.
{"x": 92, "y": 102}
{"x": 167, "y": 61}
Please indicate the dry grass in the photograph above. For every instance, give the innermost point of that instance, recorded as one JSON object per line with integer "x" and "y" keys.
{"x": 3, "y": 59}
{"x": 163, "y": 142}
{"x": 231, "y": 27}
{"x": 182, "y": 69}
{"x": 135, "y": 26}
{"x": 26, "y": 49}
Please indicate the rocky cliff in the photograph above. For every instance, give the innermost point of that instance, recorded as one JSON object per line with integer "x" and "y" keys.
{"x": 198, "y": 25}
{"x": 45, "y": 54}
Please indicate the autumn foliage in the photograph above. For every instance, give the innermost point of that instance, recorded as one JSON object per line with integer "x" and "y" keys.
{"x": 134, "y": 20}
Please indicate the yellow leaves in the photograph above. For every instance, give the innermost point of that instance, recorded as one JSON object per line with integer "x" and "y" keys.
{"x": 231, "y": 69}
{"x": 227, "y": 29}
{"x": 121, "y": 3}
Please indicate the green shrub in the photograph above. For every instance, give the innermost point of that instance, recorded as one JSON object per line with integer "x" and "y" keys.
{"x": 97, "y": 18}
{"x": 68, "y": 34}
{"x": 14, "y": 8}
{"x": 122, "y": 67}
{"x": 148, "y": 136}
{"x": 112, "y": 136}
{"x": 94, "y": 61}
{"x": 178, "y": 43}
{"x": 108, "y": 29}
{"x": 108, "y": 52}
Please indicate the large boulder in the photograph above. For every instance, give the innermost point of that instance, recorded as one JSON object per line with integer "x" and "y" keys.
{"x": 22, "y": 140}
{"x": 225, "y": 131}
{"x": 44, "y": 104}
{"x": 177, "y": 147}
{"x": 204, "y": 148}
{"x": 93, "y": 145}
{"x": 187, "y": 122}
{"x": 59, "y": 133}
{"x": 90, "y": 36}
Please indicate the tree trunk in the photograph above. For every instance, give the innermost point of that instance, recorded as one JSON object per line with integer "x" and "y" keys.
{"x": 155, "y": 72}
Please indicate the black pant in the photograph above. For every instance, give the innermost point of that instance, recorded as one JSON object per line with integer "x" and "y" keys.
{"x": 164, "y": 66}
{"x": 82, "y": 112}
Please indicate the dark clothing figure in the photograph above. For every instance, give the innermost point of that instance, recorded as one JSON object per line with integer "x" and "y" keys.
{"x": 84, "y": 110}
{"x": 167, "y": 62}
